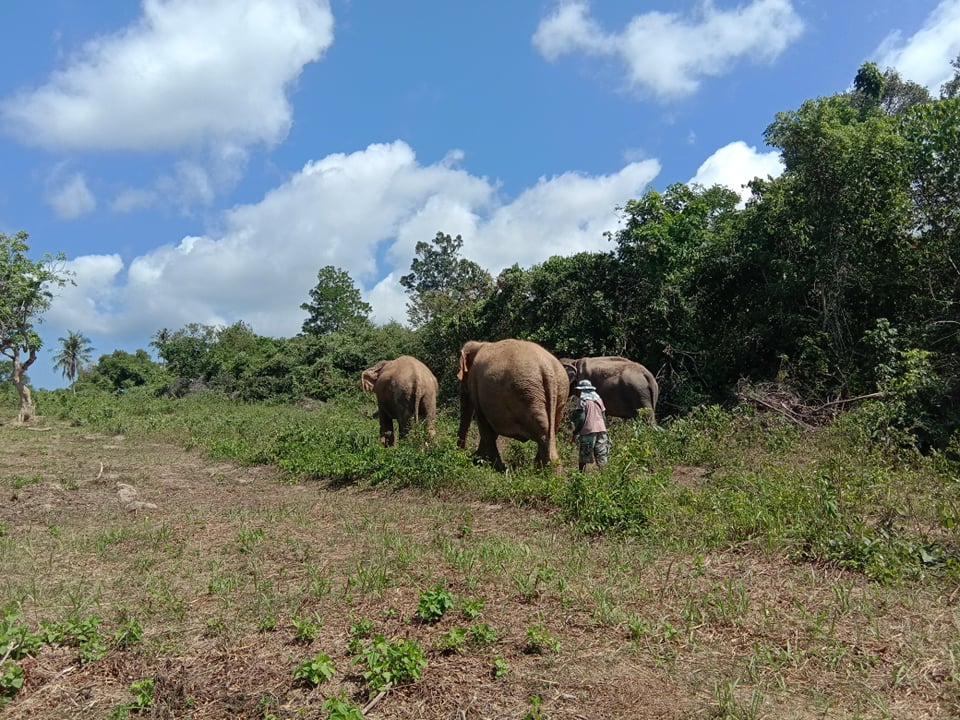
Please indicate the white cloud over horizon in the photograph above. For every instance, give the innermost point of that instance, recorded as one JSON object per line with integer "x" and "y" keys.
{"x": 345, "y": 210}
{"x": 925, "y": 56}
{"x": 668, "y": 54}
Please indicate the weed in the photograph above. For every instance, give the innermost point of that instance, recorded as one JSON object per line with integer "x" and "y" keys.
{"x": 481, "y": 634}
{"x": 539, "y": 640}
{"x": 472, "y": 608}
{"x": 391, "y": 662}
{"x": 536, "y": 709}
{"x": 500, "y": 668}
{"x": 11, "y": 678}
{"x": 338, "y": 707}
{"x": 248, "y": 539}
{"x": 142, "y": 691}
{"x": 306, "y": 629}
{"x": 129, "y": 633}
{"x": 452, "y": 641}
{"x": 434, "y": 603}
{"x": 729, "y": 708}
{"x": 21, "y": 481}
{"x": 316, "y": 670}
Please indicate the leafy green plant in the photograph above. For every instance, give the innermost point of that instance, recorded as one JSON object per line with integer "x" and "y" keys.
{"x": 452, "y": 641}
{"x": 434, "y": 603}
{"x": 84, "y": 634}
{"x": 539, "y": 640}
{"x": 391, "y": 662}
{"x": 536, "y": 709}
{"x": 129, "y": 633}
{"x": 316, "y": 670}
{"x": 11, "y": 678}
{"x": 338, "y": 707}
{"x": 306, "y": 629}
{"x": 481, "y": 634}
{"x": 472, "y": 608}
{"x": 500, "y": 667}
{"x": 142, "y": 691}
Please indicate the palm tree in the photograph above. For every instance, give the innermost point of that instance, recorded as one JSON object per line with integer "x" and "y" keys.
{"x": 75, "y": 350}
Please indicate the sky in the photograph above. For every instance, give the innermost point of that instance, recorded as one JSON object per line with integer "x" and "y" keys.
{"x": 201, "y": 160}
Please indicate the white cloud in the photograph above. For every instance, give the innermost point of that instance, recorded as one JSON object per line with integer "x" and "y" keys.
{"x": 736, "y": 164}
{"x": 925, "y": 56}
{"x": 345, "y": 210}
{"x": 668, "y": 54}
{"x": 189, "y": 72}
{"x": 70, "y": 198}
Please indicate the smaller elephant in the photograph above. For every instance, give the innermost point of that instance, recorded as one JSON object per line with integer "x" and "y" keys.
{"x": 627, "y": 387}
{"x": 406, "y": 391}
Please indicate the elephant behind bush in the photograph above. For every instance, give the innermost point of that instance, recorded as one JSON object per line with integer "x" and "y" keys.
{"x": 627, "y": 387}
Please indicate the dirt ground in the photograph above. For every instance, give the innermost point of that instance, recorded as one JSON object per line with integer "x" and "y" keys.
{"x": 220, "y": 564}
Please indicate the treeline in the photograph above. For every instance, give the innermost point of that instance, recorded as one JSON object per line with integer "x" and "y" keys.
{"x": 839, "y": 278}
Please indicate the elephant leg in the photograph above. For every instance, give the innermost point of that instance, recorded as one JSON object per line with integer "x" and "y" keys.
{"x": 386, "y": 429}
{"x": 488, "y": 449}
{"x": 404, "y": 425}
{"x": 546, "y": 451}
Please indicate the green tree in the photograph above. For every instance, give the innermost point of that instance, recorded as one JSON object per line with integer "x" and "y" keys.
{"x": 441, "y": 282}
{"x": 74, "y": 352}
{"x": 121, "y": 370}
{"x": 335, "y": 303}
{"x": 25, "y": 293}
{"x": 951, "y": 88}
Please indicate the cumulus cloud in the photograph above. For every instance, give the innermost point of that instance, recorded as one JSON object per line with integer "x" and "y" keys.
{"x": 70, "y": 197}
{"x": 668, "y": 54}
{"x": 925, "y": 56}
{"x": 188, "y": 72}
{"x": 363, "y": 212}
{"x": 734, "y": 165}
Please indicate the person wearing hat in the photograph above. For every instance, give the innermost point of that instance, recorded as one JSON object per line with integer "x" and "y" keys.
{"x": 590, "y": 425}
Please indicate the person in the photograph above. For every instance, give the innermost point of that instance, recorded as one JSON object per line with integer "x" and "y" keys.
{"x": 590, "y": 425}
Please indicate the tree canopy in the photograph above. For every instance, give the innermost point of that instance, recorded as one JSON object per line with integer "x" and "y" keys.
{"x": 26, "y": 289}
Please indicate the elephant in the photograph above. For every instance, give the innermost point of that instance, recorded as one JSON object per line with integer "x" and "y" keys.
{"x": 514, "y": 388}
{"x": 627, "y": 387}
{"x": 406, "y": 391}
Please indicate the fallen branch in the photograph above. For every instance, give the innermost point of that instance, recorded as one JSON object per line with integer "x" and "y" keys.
{"x": 380, "y": 696}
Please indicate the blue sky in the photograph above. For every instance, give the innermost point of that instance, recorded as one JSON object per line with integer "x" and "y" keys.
{"x": 201, "y": 160}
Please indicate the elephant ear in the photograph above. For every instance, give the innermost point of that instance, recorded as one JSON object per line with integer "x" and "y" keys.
{"x": 571, "y": 371}
{"x": 370, "y": 376}
{"x": 467, "y": 353}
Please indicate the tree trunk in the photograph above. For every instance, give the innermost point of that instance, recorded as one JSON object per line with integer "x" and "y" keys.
{"x": 27, "y": 410}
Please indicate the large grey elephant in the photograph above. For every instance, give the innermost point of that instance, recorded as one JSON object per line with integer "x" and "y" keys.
{"x": 406, "y": 391}
{"x": 627, "y": 387}
{"x": 513, "y": 388}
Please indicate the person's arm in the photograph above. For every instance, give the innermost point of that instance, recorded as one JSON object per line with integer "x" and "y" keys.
{"x": 579, "y": 416}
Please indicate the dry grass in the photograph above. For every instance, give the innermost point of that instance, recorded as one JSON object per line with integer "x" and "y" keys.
{"x": 213, "y": 555}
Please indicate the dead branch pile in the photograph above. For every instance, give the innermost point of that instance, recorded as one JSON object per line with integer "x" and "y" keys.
{"x": 772, "y": 397}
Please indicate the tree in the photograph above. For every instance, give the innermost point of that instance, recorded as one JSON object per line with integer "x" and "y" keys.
{"x": 335, "y": 303}
{"x": 74, "y": 351}
{"x": 440, "y": 282}
{"x": 951, "y": 88}
{"x": 25, "y": 293}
